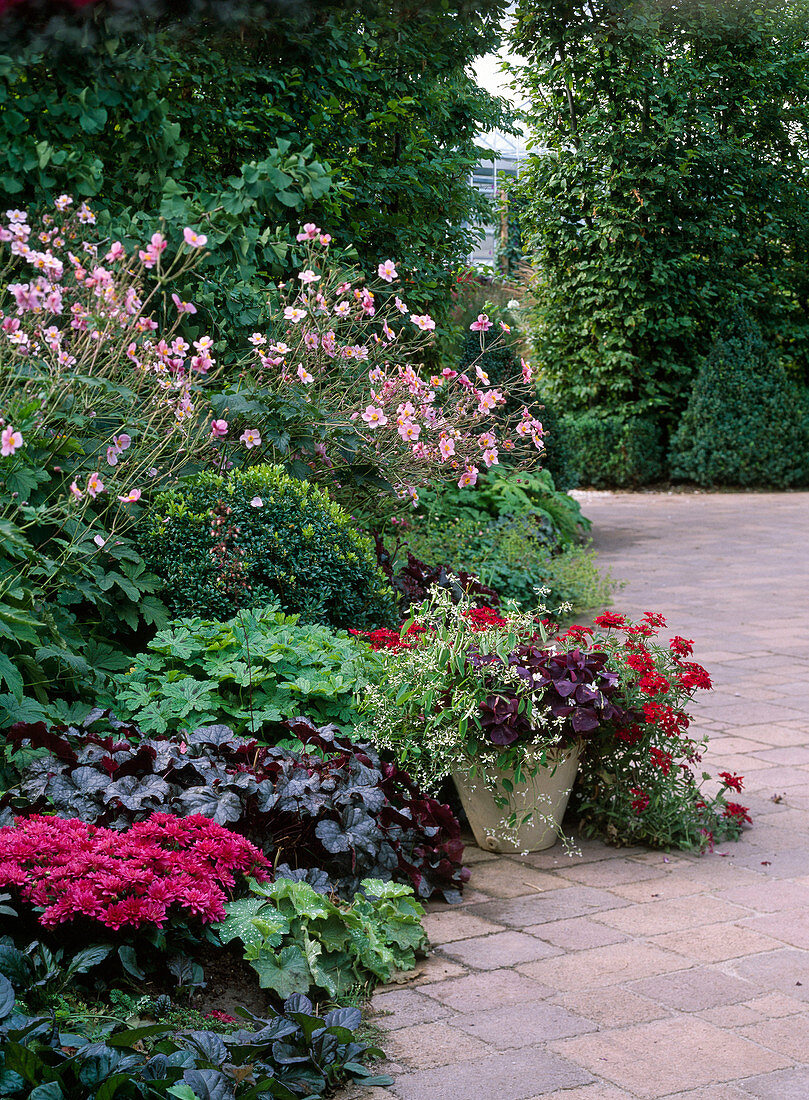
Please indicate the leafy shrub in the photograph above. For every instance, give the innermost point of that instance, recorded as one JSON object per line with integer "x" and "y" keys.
{"x": 69, "y": 869}
{"x": 293, "y": 1053}
{"x": 745, "y": 423}
{"x": 261, "y": 537}
{"x": 296, "y": 939}
{"x": 612, "y": 451}
{"x": 333, "y": 805}
{"x": 249, "y": 673}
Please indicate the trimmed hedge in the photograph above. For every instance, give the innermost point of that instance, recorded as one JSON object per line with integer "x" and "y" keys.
{"x": 258, "y": 537}
{"x": 746, "y": 422}
{"x": 613, "y": 452}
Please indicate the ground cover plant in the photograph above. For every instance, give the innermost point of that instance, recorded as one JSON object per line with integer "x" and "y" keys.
{"x": 329, "y": 810}
{"x": 249, "y": 673}
{"x": 293, "y": 1053}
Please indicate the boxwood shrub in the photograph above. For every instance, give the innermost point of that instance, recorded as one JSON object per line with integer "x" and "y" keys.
{"x": 614, "y": 452}
{"x": 746, "y": 421}
{"x": 257, "y": 537}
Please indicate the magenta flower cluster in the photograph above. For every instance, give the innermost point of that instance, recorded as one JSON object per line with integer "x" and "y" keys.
{"x": 165, "y": 866}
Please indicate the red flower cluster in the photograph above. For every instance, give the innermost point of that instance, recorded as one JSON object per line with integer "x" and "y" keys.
{"x": 383, "y": 638}
{"x": 482, "y": 618}
{"x": 733, "y": 809}
{"x": 610, "y": 619}
{"x": 694, "y": 676}
{"x": 641, "y": 800}
{"x": 479, "y": 618}
{"x": 69, "y": 869}
{"x": 681, "y": 647}
{"x": 732, "y": 782}
{"x": 661, "y": 760}
{"x": 672, "y": 722}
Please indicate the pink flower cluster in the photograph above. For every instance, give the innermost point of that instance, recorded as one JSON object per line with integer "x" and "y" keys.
{"x": 348, "y": 350}
{"x": 70, "y": 297}
{"x": 69, "y": 869}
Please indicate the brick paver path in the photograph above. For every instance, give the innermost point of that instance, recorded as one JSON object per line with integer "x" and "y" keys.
{"x": 631, "y": 973}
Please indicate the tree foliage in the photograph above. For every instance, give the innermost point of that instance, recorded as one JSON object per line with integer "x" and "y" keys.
{"x": 361, "y": 116}
{"x": 668, "y": 179}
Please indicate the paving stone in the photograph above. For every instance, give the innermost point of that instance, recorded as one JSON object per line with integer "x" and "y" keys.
{"x": 504, "y": 878}
{"x": 687, "y": 1053}
{"x": 656, "y": 889}
{"x": 490, "y": 989}
{"x": 672, "y": 915}
{"x": 790, "y": 926}
{"x": 522, "y": 1025}
{"x": 786, "y": 970}
{"x": 436, "y": 969}
{"x": 734, "y": 1016}
{"x": 599, "y": 1090}
{"x": 501, "y": 949}
{"x": 691, "y": 990}
{"x": 775, "y": 1005}
{"x": 612, "y": 1006}
{"x": 769, "y": 897}
{"x": 435, "y": 1044}
{"x": 515, "y": 1075}
{"x": 716, "y": 942}
{"x": 609, "y": 873}
{"x": 576, "y": 933}
{"x": 787, "y": 1084}
{"x": 570, "y": 901}
{"x": 403, "y": 1008}
{"x": 714, "y": 1092}
{"x": 456, "y": 924}
{"x": 789, "y": 1035}
{"x": 599, "y": 966}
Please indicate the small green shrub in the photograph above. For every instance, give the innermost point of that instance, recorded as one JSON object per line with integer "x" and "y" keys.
{"x": 613, "y": 452}
{"x": 258, "y": 537}
{"x": 249, "y": 673}
{"x": 746, "y": 422}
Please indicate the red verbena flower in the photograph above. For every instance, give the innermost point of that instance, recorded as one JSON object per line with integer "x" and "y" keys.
{"x": 641, "y": 800}
{"x": 682, "y": 647}
{"x": 661, "y": 760}
{"x": 610, "y": 619}
{"x": 654, "y": 618}
{"x": 694, "y": 676}
{"x": 740, "y": 813}
{"x": 733, "y": 782}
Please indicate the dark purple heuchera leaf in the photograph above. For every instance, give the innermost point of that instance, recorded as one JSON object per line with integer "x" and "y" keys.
{"x": 413, "y": 581}
{"x": 334, "y": 808}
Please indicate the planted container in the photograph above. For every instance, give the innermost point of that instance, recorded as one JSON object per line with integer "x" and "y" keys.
{"x": 541, "y": 798}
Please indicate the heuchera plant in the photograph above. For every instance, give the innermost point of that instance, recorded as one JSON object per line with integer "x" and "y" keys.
{"x": 332, "y": 805}
{"x": 638, "y": 778}
{"x": 68, "y": 869}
